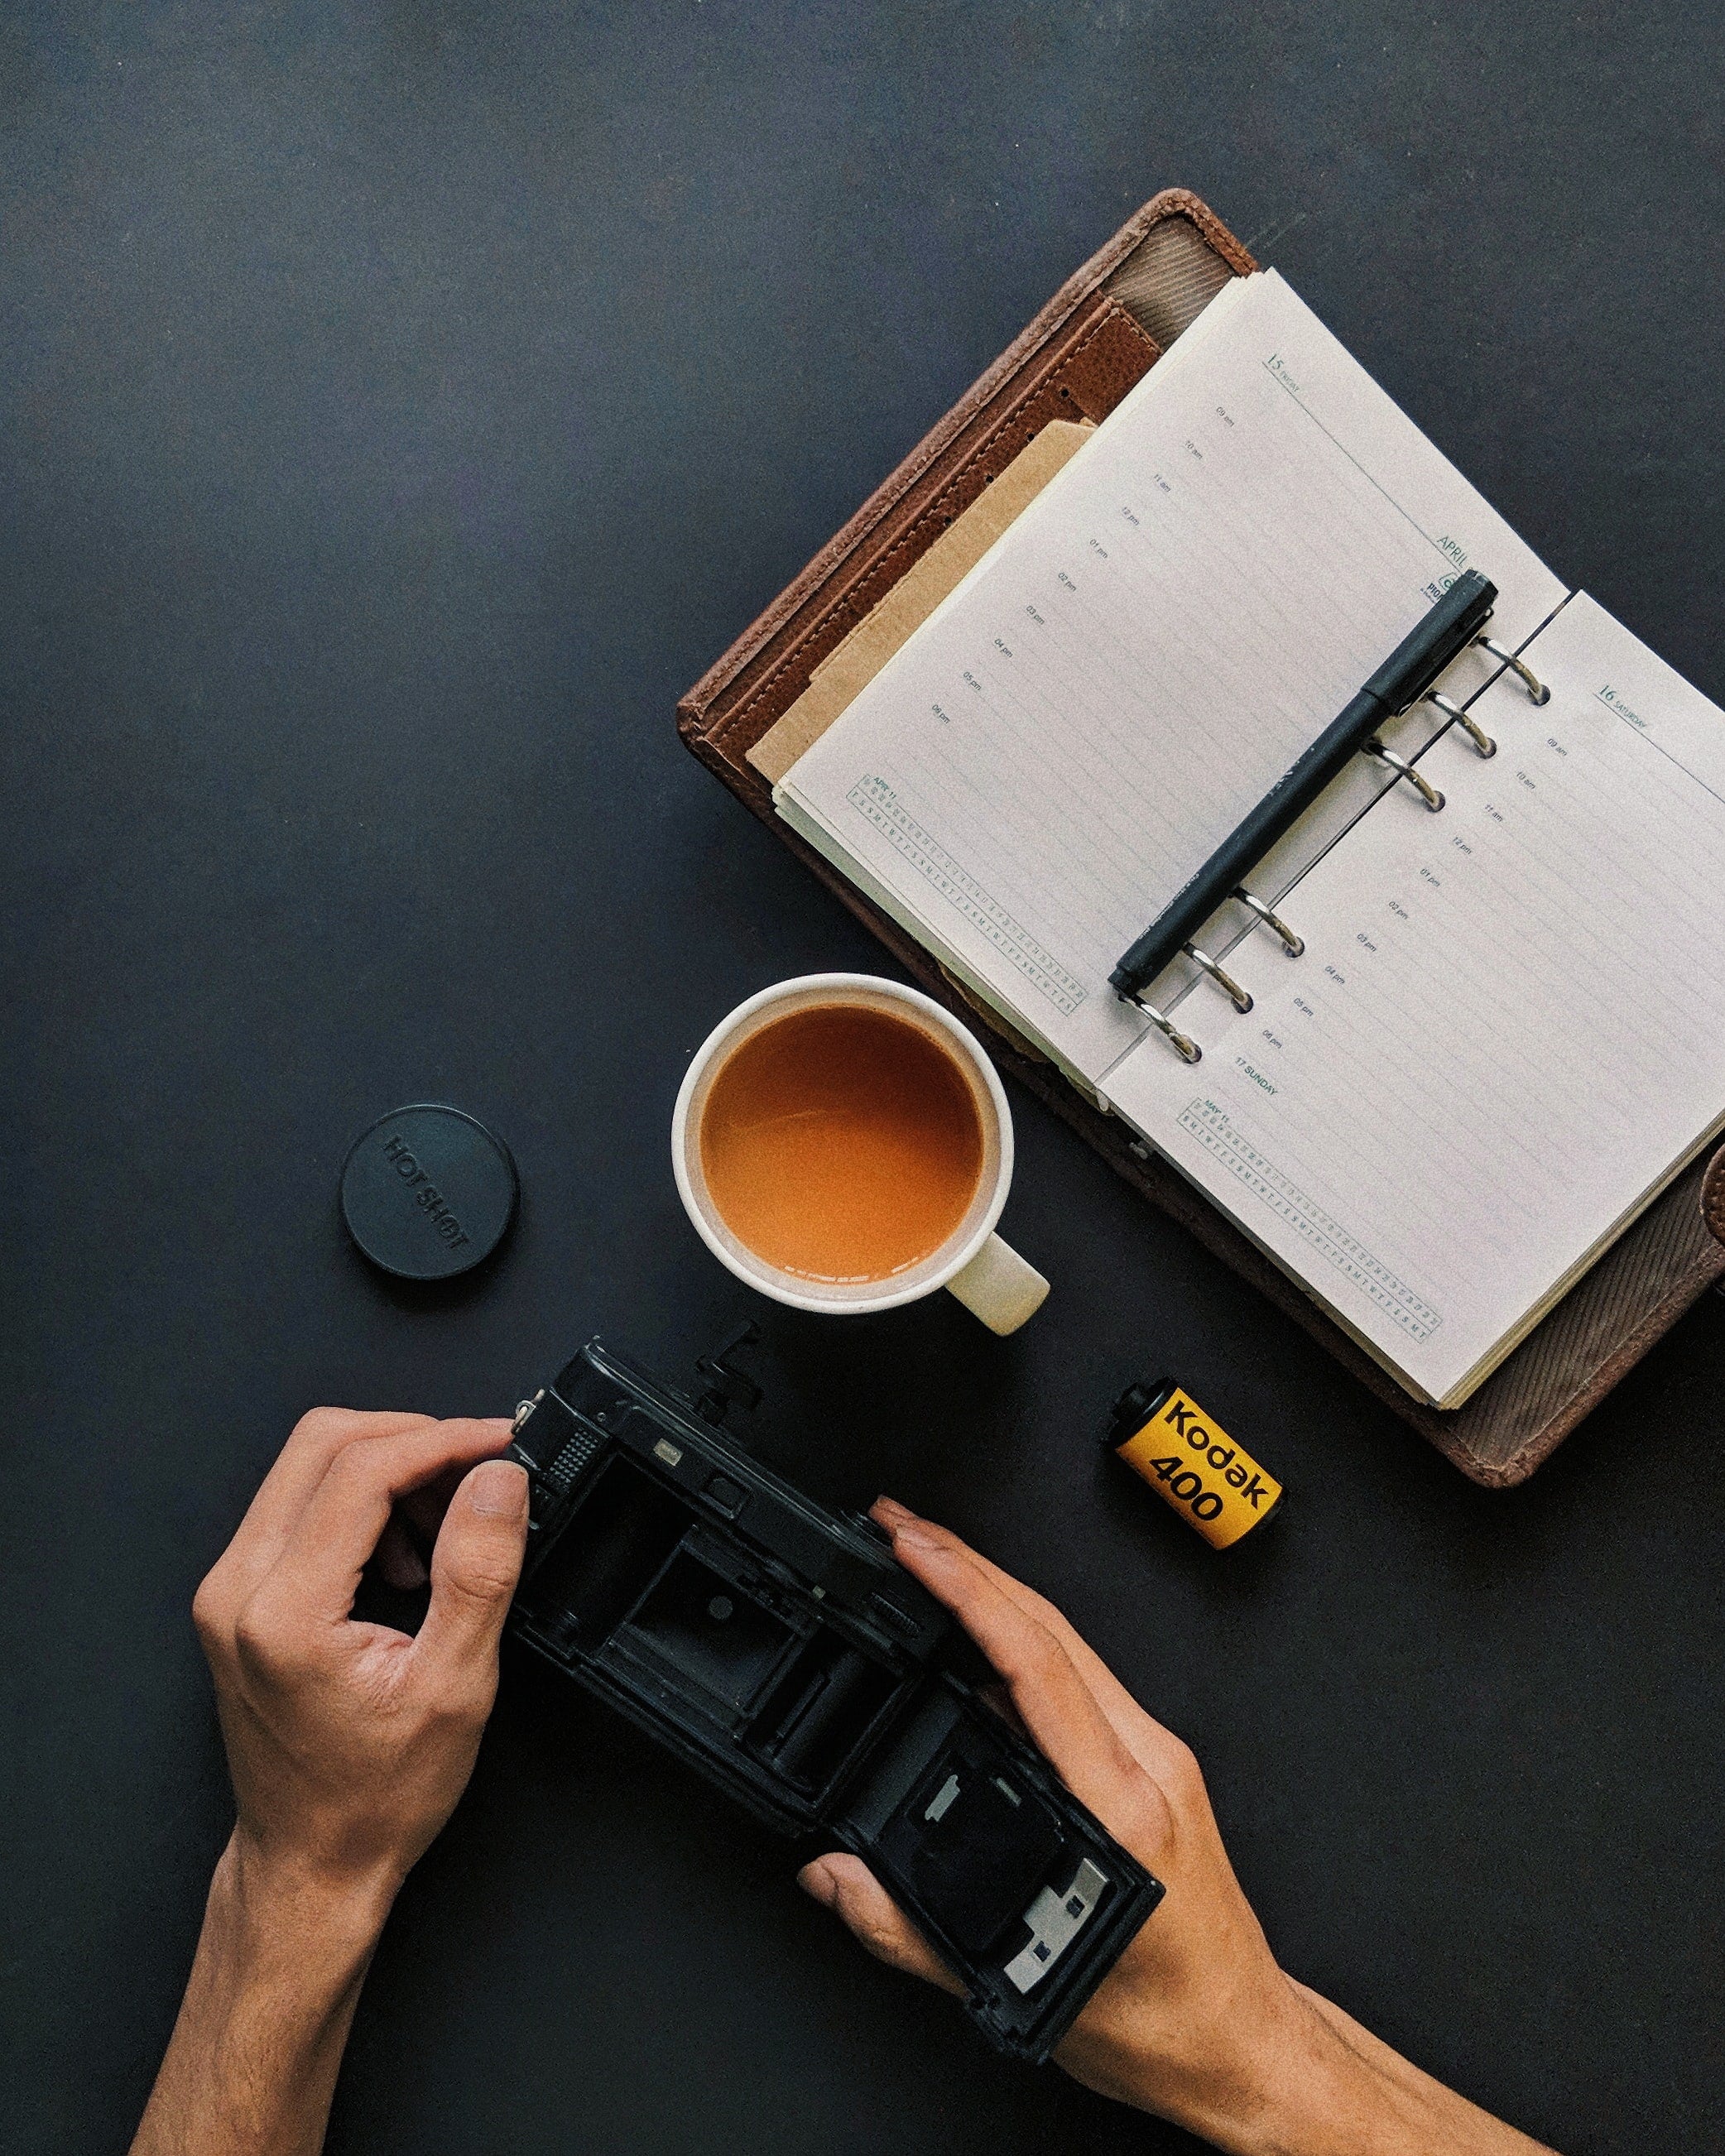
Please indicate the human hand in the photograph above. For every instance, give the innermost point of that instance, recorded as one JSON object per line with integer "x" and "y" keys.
{"x": 350, "y": 1743}
{"x": 1172, "y": 2026}
{"x": 1196, "y": 2020}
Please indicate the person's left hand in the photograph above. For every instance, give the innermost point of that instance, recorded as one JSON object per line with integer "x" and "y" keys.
{"x": 350, "y": 1743}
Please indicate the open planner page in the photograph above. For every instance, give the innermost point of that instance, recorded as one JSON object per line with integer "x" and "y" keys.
{"x": 1143, "y": 654}
{"x": 1507, "y": 1031}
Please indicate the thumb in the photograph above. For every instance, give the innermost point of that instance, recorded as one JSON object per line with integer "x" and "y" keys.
{"x": 474, "y": 1567}
{"x": 846, "y": 1886}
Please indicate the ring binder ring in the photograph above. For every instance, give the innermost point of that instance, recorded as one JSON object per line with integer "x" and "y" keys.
{"x": 1402, "y": 769}
{"x": 1188, "y": 1049}
{"x": 1475, "y": 732}
{"x": 1448, "y": 629}
{"x": 1530, "y": 681}
{"x": 1240, "y": 998}
{"x": 1292, "y": 944}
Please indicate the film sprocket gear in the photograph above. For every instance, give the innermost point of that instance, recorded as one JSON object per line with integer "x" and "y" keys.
{"x": 782, "y": 1650}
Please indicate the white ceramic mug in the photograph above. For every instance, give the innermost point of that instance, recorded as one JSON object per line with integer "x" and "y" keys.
{"x": 988, "y": 1275}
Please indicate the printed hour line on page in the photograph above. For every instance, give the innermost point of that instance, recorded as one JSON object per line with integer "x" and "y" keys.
{"x": 1449, "y": 551}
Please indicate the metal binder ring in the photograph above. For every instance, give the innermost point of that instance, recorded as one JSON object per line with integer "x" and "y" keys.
{"x": 1292, "y": 943}
{"x": 1188, "y": 1049}
{"x": 1422, "y": 785}
{"x": 1530, "y": 681}
{"x": 1475, "y": 731}
{"x": 1239, "y": 997}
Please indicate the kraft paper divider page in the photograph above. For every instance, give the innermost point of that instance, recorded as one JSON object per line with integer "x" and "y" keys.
{"x": 1140, "y": 656}
{"x": 1127, "y": 669}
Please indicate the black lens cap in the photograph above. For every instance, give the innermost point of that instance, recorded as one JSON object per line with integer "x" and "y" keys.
{"x": 428, "y": 1192}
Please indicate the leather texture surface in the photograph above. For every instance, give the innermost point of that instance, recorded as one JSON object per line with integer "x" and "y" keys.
{"x": 407, "y": 404}
{"x": 1083, "y": 375}
{"x": 1712, "y": 1196}
{"x": 1099, "y": 335}
{"x": 909, "y": 600}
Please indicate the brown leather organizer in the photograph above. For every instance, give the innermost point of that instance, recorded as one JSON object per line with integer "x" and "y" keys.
{"x": 1100, "y": 333}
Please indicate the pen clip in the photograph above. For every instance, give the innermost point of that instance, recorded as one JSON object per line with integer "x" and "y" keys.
{"x": 1435, "y": 645}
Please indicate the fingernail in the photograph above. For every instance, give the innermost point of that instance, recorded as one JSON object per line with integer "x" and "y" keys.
{"x": 892, "y": 1508}
{"x": 498, "y": 1488}
{"x": 819, "y": 1884}
{"x": 917, "y": 1537}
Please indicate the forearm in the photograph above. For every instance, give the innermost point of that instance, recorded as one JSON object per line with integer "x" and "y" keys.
{"x": 1393, "y": 2097}
{"x": 251, "y": 2065}
{"x": 1323, "y": 2086}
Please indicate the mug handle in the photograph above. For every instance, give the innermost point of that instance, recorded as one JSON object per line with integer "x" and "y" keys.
{"x": 1000, "y": 1287}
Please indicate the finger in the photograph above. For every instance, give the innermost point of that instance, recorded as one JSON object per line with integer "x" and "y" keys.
{"x": 999, "y": 1700}
{"x": 1154, "y": 1745}
{"x": 423, "y": 1509}
{"x": 399, "y": 1562}
{"x": 473, "y": 1570}
{"x": 300, "y": 1467}
{"x": 846, "y": 1886}
{"x": 338, "y": 1529}
{"x": 1052, "y": 1699}
{"x": 413, "y": 1527}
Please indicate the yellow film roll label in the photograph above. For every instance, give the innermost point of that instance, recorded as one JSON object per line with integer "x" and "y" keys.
{"x": 1201, "y": 1471}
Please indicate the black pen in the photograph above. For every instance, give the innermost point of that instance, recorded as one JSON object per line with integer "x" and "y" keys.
{"x": 1443, "y": 633}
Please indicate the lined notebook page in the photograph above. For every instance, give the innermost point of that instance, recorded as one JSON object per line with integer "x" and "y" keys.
{"x": 1506, "y": 1032}
{"x": 1144, "y": 653}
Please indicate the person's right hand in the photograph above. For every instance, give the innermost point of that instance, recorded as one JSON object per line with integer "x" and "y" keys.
{"x": 1196, "y": 2021}
{"x": 349, "y": 1741}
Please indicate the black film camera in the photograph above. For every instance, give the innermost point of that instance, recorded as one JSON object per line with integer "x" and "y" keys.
{"x": 782, "y": 1649}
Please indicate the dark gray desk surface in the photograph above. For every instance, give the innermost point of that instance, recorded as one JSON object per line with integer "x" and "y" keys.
{"x": 399, "y": 405}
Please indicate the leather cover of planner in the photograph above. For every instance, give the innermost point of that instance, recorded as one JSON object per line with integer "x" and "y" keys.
{"x": 1100, "y": 334}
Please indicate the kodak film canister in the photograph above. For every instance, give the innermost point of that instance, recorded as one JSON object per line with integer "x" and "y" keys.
{"x": 1161, "y": 1433}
